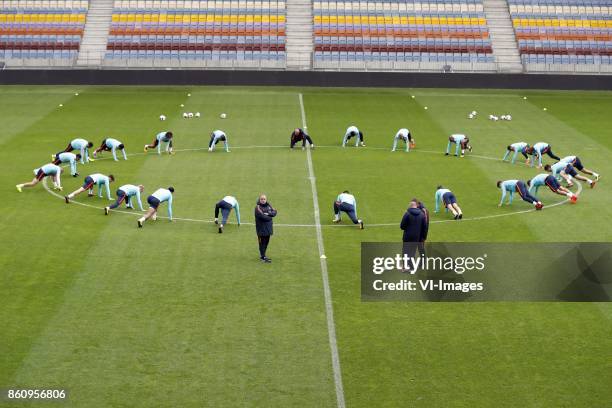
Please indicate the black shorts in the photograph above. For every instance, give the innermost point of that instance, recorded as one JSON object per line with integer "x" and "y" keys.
{"x": 552, "y": 183}
{"x": 40, "y": 175}
{"x": 570, "y": 170}
{"x": 449, "y": 198}
{"x": 153, "y": 202}
{"x": 578, "y": 164}
{"x": 89, "y": 182}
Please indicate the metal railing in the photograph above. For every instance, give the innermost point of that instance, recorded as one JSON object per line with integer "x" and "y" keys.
{"x": 403, "y": 66}
{"x": 603, "y": 69}
{"x": 97, "y": 60}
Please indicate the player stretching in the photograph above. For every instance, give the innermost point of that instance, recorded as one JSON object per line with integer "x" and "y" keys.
{"x": 216, "y": 137}
{"x": 154, "y": 200}
{"x": 82, "y": 146}
{"x": 577, "y": 164}
{"x": 461, "y": 141}
{"x": 511, "y": 186}
{"x": 567, "y": 171}
{"x": 519, "y": 147}
{"x": 161, "y": 137}
{"x": 300, "y": 135}
{"x": 545, "y": 179}
{"x": 226, "y": 205}
{"x": 345, "y": 202}
{"x": 111, "y": 145}
{"x": 539, "y": 149}
{"x": 66, "y": 157}
{"x": 444, "y": 195}
{"x": 352, "y": 132}
{"x": 91, "y": 180}
{"x": 404, "y": 135}
{"x": 48, "y": 170}
{"x": 125, "y": 193}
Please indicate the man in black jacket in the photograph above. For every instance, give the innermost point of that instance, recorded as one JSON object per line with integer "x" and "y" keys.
{"x": 264, "y": 214}
{"x": 415, "y": 226}
{"x": 299, "y": 135}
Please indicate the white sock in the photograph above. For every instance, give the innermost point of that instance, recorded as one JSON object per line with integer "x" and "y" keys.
{"x": 569, "y": 195}
{"x": 141, "y": 219}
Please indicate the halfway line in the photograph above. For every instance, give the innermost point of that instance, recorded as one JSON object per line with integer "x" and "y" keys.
{"x": 329, "y": 310}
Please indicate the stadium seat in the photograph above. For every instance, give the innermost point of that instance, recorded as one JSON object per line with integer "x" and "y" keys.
{"x": 41, "y": 29}
{"x": 400, "y": 31}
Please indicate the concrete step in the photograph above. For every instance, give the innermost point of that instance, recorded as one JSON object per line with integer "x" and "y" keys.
{"x": 95, "y": 34}
{"x": 503, "y": 39}
{"x": 299, "y": 34}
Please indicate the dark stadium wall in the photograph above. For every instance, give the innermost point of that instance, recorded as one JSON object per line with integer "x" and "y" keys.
{"x": 305, "y": 78}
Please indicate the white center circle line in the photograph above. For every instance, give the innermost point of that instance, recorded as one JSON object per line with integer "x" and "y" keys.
{"x": 138, "y": 213}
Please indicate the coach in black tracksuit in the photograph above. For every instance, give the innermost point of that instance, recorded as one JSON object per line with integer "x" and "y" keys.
{"x": 415, "y": 224}
{"x": 264, "y": 214}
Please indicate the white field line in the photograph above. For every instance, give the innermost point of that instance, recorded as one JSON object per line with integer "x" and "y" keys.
{"x": 393, "y": 224}
{"x": 329, "y": 310}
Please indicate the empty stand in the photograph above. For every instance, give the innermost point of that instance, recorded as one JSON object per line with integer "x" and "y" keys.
{"x": 197, "y": 33}
{"x": 564, "y": 35}
{"x": 41, "y": 33}
{"x": 402, "y": 34}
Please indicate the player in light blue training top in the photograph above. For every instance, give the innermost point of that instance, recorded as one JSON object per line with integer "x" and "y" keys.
{"x": 545, "y": 179}
{"x": 66, "y": 157}
{"x": 567, "y": 171}
{"x": 111, "y": 145}
{"x": 510, "y": 186}
{"x": 346, "y": 203}
{"x": 216, "y": 137}
{"x": 83, "y": 147}
{"x": 353, "y": 132}
{"x": 537, "y": 150}
{"x": 577, "y": 164}
{"x": 125, "y": 193}
{"x": 445, "y": 196}
{"x": 89, "y": 183}
{"x": 519, "y": 147}
{"x": 404, "y": 135}
{"x": 161, "y": 137}
{"x": 159, "y": 196}
{"x": 48, "y": 170}
{"x": 226, "y": 205}
{"x": 461, "y": 141}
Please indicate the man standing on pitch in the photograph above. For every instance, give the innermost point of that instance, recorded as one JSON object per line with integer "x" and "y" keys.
{"x": 264, "y": 214}
{"x": 414, "y": 223}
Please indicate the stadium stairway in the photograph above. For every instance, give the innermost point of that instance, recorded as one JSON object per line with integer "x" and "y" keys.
{"x": 503, "y": 40}
{"x": 299, "y": 30}
{"x": 95, "y": 36}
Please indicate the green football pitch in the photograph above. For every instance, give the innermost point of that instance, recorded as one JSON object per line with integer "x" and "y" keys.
{"x": 177, "y": 315}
